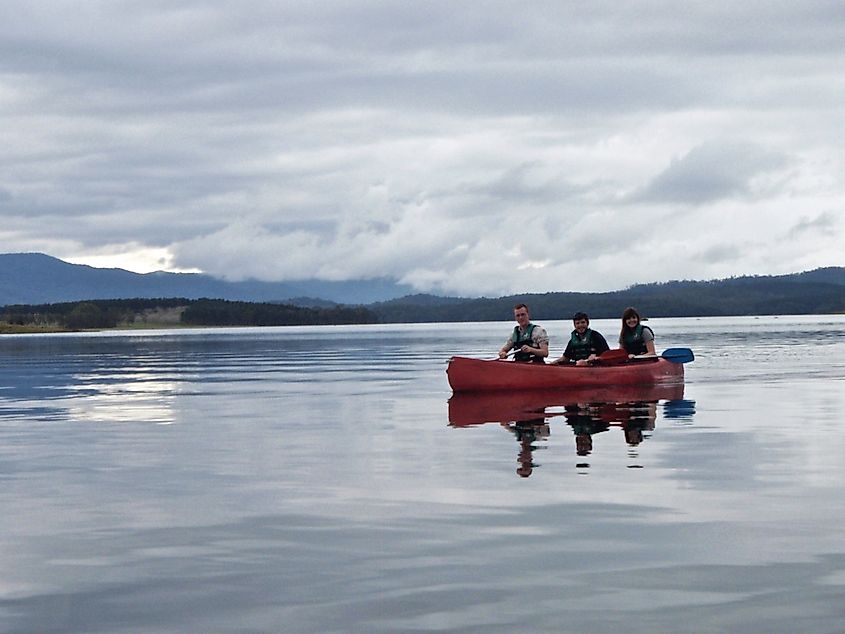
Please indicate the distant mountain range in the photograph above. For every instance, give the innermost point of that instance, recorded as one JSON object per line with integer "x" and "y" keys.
{"x": 821, "y": 291}
{"x": 35, "y": 278}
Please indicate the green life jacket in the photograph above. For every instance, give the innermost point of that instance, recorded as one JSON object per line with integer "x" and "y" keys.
{"x": 633, "y": 341}
{"x": 524, "y": 339}
{"x": 581, "y": 348}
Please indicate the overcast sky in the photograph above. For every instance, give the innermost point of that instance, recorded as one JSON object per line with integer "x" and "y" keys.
{"x": 462, "y": 147}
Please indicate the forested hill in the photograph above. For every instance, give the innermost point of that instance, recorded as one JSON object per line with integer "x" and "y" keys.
{"x": 110, "y": 313}
{"x": 821, "y": 291}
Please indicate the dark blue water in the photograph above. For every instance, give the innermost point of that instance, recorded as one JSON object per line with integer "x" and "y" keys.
{"x": 316, "y": 480}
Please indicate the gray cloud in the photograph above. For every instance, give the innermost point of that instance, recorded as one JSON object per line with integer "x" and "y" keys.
{"x": 709, "y": 173}
{"x": 524, "y": 184}
{"x": 824, "y": 223}
{"x": 452, "y": 146}
{"x": 722, "y": 253}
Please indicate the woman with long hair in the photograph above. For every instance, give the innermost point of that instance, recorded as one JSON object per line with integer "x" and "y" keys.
{"x": 635, "y": 338}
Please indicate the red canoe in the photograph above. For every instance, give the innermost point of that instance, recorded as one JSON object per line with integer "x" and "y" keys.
{"x": 474, "y": 408}
{"x": 476, "y": 375}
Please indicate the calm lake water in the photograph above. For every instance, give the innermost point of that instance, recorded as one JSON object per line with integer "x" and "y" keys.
{"x": 319, "y": 480}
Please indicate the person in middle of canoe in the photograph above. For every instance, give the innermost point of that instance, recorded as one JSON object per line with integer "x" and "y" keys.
{"x": 530, "y": 341}
{"x": 635, "y": 338}
{"x": 585, "y": 344}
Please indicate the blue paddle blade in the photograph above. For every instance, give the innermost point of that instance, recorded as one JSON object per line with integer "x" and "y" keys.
{"x": 678, "y": 355}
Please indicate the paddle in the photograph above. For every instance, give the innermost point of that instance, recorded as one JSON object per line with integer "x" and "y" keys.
{"x": 510, "y": 353}
{"x": 609, "y": 357}
{"x": 618, "y": 355}
{"x": 675, "y": 355}
{"x": 678, "y": 355}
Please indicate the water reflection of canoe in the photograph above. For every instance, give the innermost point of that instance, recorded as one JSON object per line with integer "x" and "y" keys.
{"x": 469, "y": 375}
{"x": 473, "y": 408}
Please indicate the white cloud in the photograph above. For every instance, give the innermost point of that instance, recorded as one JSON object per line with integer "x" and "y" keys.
{"x": 551, "y": 146}
{"x": 138, "y": 259}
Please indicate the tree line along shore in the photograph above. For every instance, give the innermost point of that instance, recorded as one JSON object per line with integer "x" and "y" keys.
{"x": 820, "y": 292}
{"x": 101, "y": 314}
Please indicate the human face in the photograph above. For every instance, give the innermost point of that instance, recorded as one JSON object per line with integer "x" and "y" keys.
{"x": 631, "y": 321}
{"x": 521, "y": 316}
{"x": 581, "y": 325}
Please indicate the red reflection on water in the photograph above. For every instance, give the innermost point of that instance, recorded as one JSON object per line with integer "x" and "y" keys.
{"x": 587, "y": 411}
{"x": 475, "y": 408}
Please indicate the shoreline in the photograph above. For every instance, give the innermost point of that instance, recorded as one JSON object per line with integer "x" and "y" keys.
{"x": 29, "y": 329}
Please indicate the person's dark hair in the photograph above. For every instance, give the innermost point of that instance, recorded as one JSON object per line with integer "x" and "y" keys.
{"x": 525, "y": 306}
{"x": 628, "y": 312}
{"x": 580, "y": 315}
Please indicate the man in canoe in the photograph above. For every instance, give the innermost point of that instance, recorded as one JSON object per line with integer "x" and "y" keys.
{"x": 585, "y": 344}
{"x": 530, "y": 341}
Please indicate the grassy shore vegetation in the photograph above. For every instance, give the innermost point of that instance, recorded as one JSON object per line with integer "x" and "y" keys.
{"x": 27, "y": 329}
{"x": 169, "y": 313}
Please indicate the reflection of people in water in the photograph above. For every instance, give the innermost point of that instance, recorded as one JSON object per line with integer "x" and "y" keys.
{"x": 633, "y": 409}
{"x": 527, "y": 432}
{"x": 588, "y": 419}
{"x": 641, "y": 417}
{"x": 585, "y": 421}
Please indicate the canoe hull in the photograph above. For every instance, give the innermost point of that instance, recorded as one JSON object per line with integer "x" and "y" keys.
{"x": 479, "y": 375}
